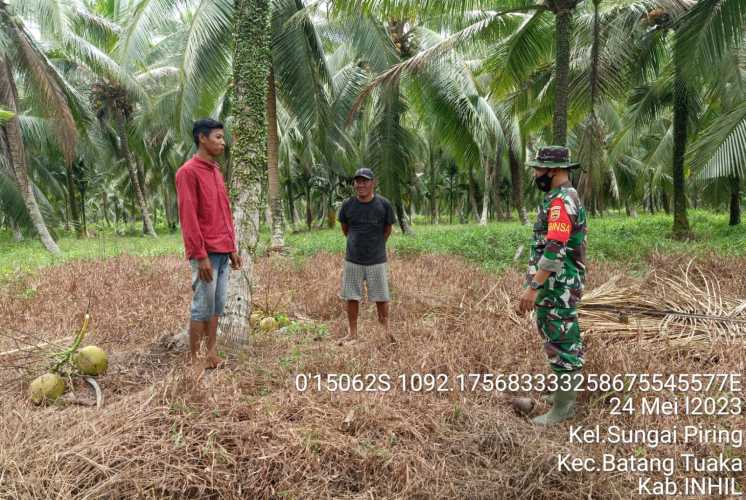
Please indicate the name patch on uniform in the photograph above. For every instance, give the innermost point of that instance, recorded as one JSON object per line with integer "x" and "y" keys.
{"x": 560, "y": 225}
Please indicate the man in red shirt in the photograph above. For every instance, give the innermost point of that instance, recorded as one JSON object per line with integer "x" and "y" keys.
{"x": 209, "y": 236}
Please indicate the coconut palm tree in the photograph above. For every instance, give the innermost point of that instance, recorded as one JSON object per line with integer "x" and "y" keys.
{"x": 702, "y": 33}
{"x": 712, "y": 36}
{"x": 21, "y": 53}
{"x": 251, "y": 66}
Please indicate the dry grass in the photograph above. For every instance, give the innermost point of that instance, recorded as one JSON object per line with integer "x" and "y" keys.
{"x": 246, "y": 432}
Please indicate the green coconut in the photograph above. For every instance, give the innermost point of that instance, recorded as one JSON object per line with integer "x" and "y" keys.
{"x": 268, "y": 324}
{"x": 282, "y": 320}
{"x": 91, "y": 360}
{"x": 48, "y": 387}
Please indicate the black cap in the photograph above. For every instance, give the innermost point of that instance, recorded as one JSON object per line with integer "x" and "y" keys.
{"x": 364, "y": 172}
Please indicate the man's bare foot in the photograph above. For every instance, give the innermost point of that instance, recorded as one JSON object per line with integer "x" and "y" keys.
{"x": 214, "y": 361}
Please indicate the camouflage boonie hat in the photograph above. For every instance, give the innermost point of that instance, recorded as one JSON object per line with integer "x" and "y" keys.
{"x": 553, "y": 157}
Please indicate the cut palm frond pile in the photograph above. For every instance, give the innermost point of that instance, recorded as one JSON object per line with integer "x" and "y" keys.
{"x": 668, "y": 310}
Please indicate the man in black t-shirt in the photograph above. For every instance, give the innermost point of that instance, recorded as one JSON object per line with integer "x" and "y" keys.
{"x": 366, "y": 222}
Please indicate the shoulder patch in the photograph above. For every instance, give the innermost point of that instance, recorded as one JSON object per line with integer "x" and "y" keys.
{"x": 560, "y": 226}
{"x": 554, "y": 212}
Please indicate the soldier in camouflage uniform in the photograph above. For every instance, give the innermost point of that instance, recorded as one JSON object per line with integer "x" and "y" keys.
{"x": 556, "y": 273}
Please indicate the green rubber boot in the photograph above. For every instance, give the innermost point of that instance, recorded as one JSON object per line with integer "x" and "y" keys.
{"x": 563, "y": 406}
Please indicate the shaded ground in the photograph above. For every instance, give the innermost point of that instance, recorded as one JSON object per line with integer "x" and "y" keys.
{"x": 247, "y": 431}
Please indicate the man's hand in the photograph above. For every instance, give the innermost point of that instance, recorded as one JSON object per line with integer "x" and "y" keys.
{"x": 527, "y": 301}
{"x": 204, "y": 269}
{"x": 236, "y": 261}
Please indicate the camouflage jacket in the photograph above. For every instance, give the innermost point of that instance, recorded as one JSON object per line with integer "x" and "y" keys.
{"x": 560, "y": 240}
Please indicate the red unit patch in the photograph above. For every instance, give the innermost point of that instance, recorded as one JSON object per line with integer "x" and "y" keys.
{"x": 560, "y": 226}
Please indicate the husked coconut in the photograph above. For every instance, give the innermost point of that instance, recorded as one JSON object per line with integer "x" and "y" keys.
{"x": 255, "y": 318}
{"x": 523, "y": 406}
{"x": 91, "y": 360}
{"x": 46, "y": 388}
{"x": 268, "y": 324}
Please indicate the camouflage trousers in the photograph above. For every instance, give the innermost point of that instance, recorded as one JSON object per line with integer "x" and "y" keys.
{"x": 557, "y": 321}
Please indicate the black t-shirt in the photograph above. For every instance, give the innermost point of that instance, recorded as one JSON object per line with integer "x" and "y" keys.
{"x": 365, "y": 242}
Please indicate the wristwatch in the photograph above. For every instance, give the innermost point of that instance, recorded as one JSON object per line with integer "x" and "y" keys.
{"x": 535, "y": 285}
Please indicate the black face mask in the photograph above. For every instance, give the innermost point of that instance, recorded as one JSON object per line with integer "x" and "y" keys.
{"x": 544, "y": 182}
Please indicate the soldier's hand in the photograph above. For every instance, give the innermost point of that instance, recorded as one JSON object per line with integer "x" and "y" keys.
{"x": 526, "y": 302}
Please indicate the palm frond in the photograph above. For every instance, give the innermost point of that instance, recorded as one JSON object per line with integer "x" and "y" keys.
{"x": 389, "y": 151}
{"x": 648, "y": 101}
{"x": 413, "y": 9}
{"x": 299, "y": 64}
{"x": 486, "y": 28}
{"x": 528, "y": 43}
{"x": 367, "y": 37}
{"x": 11, "y": 200}
{"x": 205, "y": 62}
{"x": 709, "y": 30}
{"x": 720, "y": 150}
{"x": 348, "y": 83}
{"x": 58, "y": 98}
{"x": 144, "y": 17}
{"x": 463, "y": 119}
{"x": 100, "y": 64}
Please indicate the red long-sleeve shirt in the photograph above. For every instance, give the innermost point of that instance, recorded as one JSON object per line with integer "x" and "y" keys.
{"x": 204, "y": 209}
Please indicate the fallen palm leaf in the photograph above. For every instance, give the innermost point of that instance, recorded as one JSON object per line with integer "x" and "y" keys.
{"x": 669, "y": 311}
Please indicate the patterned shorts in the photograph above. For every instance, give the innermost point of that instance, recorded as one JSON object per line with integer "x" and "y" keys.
{"x": 375, "y": 277}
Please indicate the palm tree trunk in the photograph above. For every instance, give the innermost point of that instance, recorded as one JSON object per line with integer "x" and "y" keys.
{"x": 451, "y": 198}
{"x": 228, "y": 166}
{"x": 735, "y": 201}
{"x": 291, "y": 202}
{"x": 433, "y": 192}
{"x": 516, "y": 181}
{"x": 251, "y": 64}
{"x": 322, "y": 213}
{"x": 166, "y": 205}
{"x": 105, "y": 208}
{"x": 563, "y": 28}
{"x": 124, "y": 150}
{"x": 473, "y": 193}
{"x": 67, "y": 211}
{"x": 401, "y": 215}
{"x": 273, "y": 173}
{"x": 144, "y": 185}
{"x": 74, "y": 214}
{"x": 84, "y": 229}
{"x": 680, "y": 117}
{"x": 496, "y": 183}
{"x": 331, "y": 214}
{"x": 14, "y": 151}
{"x": 486, "y": 194}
